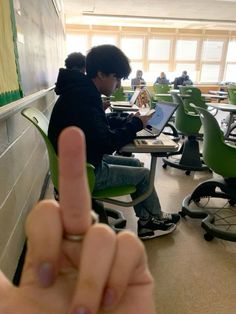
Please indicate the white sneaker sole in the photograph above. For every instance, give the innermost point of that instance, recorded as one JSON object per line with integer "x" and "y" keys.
{"x": 158, "y": 233}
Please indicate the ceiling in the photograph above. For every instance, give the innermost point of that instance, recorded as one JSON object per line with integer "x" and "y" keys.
{"x": 200, "y": 14}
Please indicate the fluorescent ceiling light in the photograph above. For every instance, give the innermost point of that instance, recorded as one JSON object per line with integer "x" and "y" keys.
{"x": 156, "y": 18}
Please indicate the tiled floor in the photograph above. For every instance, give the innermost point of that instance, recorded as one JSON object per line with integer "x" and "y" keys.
{"x": 192, "y": 276}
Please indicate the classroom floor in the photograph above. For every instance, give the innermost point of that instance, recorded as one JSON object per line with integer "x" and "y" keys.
{"x": 192, "y": 276}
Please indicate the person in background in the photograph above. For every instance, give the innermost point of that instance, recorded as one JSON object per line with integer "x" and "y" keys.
{"x": 55, "y": 276}
{"x": 182, "y": 80}
{"x": 80, "y": 104}
{"x": 138, "y": 81}
{"x": 75, "y": 61}
{"x": 162, "y": 79}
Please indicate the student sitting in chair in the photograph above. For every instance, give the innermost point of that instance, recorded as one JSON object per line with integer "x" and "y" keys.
{"x": 182, "y": 80}
{"x": 138, "y": 81}
{"x": 162, "y": 79}
{"x": 80, "y": 104}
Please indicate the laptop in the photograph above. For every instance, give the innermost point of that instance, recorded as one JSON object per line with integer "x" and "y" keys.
{"x": 158, "y": 121}
{"x": 129, "y": 103}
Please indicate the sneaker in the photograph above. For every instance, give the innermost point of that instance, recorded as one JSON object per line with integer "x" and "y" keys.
{"x": 153, "y": 228}
{"x": 170, "y": 218}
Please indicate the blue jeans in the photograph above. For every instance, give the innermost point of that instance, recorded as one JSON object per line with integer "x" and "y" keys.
{"x": 117, "y": 171}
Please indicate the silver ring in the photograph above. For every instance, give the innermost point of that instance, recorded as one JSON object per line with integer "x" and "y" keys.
{"x": 74, "y": 237}
{"x": 80, "y": 237}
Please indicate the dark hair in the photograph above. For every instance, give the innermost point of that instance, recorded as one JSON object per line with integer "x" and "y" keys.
{"x": 108, "y": 59}
{"x": 75, "y": 60}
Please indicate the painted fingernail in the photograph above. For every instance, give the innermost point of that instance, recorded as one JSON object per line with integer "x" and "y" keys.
{"x": 82, "y": 310}
{"x": 45, "y": 274}
{"x": 109, "y": 298}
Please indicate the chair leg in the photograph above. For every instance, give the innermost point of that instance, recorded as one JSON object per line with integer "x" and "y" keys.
{"x": 99, "y": 210}
{"x": 219, "y": 222}
{"x": 117, "y": 219}
{"x": 174, "y": 133}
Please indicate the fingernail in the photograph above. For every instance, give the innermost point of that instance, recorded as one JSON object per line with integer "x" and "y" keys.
{"x": 45, "y": 274}
{"x": 82, "y": 310}
{"x": 109, "y": 298}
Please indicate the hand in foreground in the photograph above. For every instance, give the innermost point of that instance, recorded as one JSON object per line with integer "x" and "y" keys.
{"x": 106, "y": 104}
{"x": 145, "y": 118}
{"x": 104, "y": 273}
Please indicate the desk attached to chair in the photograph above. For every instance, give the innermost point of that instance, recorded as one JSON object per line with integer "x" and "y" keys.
{"x": 156, "y": 151}
{"x": 228, "y": 108}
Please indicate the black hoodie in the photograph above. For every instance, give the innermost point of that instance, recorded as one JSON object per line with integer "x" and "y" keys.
{"x": 80, "y": 104}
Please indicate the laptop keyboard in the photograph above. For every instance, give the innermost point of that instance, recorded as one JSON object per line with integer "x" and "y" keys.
{"x": 143, "y": 133}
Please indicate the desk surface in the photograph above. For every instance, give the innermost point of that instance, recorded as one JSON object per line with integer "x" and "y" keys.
{"x": 223, "y": 107}
{"x": 218, "y": 92}
{"x": 214, "y": 96}
{"x": 169, "y": 147}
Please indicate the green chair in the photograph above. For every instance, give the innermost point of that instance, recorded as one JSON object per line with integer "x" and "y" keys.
{"x": 41, "y": 122}
{"x": 230, "y": 119}
{"x": 194, "y": 97}
{"x": 162, "y": 91}
{"x": 118, "y": 95}
{"x": 187, "y": 123}
{"x": 232, "y": 94}
{"x": 220, "y": 156}
{"x": 107, "y": 195}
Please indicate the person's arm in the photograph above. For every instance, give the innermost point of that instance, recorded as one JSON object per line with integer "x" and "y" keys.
{"x": 60, "y": 276}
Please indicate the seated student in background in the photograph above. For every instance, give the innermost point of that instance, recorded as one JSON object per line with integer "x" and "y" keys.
{"x": 55, "y": 276}
{"x": 75, "y": 61}
{"x": 162, "y": 79}
{"x": 182, "y": 80}
{"x": 80, "y": 104}
{"x": 138, "y": 81}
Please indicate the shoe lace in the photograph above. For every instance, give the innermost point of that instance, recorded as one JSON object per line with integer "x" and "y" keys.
{"x": 156, "y": 220}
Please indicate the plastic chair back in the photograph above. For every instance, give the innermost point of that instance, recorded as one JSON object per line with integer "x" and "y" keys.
{"x": 188, "y": 123}
{"x": 218, "y": 155}
{"x": 162, "y": 89}
{"x": 195, "y": 97}
{"x": 41, "y": 122}
{"x": 232, "y": 94}
{"x": 118, "y": 95}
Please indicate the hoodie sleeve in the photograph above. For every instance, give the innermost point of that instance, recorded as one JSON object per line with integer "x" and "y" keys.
{"x": 106, "y": 140}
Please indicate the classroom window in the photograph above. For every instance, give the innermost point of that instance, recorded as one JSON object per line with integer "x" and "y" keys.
{"x": 155, "y": 69}
{"x": 186, "y": 50}
{"x": 158, "y": 49}
{"x": 189, "y": 67}
{"x": 132, "y": 47}
{"x": 230, "y": 73}
{"x": 212, "y": 50}
{"x": 210, "y": 73}
{"x": 134, "y": 67}
{"x": 103, "y": 40}
{"x": 231, "y": 53}
{"x": 76, "y": 43}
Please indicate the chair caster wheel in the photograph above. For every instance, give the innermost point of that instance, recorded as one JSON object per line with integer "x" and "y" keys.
{"x": 187, "y": 172}
{"x": 164, "y": 166}
{"x": 208, "y": 237}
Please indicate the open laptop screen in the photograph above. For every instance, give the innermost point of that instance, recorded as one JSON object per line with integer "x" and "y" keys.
{"x": 164, "y": 111}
